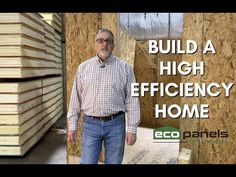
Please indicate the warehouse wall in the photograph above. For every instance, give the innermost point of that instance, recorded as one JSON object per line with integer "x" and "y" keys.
{"x": 219, "y": 68}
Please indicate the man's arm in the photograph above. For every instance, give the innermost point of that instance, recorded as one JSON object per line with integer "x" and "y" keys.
{"x": 132, "y": 108}
{"x": 74, "y": 108}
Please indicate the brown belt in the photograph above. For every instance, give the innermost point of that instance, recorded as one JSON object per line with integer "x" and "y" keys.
{"x": 106, "y": 118}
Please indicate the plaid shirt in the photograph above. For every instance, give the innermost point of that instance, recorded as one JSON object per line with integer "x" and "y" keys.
{"x": 102, "y": 89}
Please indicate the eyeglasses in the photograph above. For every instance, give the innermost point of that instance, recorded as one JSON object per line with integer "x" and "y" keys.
{"x": 101, "y": 41}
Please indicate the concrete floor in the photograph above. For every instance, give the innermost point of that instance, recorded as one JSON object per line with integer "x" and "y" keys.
{"x": 51, "y": 149}
{"x": 145, "y": 151}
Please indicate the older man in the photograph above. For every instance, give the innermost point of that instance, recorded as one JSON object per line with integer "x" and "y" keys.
{"x": 102, "y": 91}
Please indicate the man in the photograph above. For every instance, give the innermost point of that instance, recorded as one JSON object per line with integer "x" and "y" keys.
{"x": 102, "y": 91}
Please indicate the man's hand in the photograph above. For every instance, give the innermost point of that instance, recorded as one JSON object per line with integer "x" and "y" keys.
{"x": 71, "y": 136}
{"x": 130, "y": 138}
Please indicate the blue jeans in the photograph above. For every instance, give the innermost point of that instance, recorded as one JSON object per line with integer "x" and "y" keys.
{"x": 111, "y": 133}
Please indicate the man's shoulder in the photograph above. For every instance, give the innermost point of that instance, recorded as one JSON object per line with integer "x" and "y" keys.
{"x": 122, "y": 62}
{"x": 86, "y": 63}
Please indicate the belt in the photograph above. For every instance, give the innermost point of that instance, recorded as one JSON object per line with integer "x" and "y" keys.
{"x": 110, "y": 117}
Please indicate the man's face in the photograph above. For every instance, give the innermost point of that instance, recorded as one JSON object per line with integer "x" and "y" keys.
{"x": 104, "y": 45}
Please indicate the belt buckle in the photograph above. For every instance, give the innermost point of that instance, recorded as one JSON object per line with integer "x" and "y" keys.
{"x": 103, "y": 118}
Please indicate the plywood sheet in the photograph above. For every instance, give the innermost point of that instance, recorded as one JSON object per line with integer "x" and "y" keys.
{"x": 21, "y": 39}
{"x": 20, "y": 97}
{"x": 52, "y": 80}
{"x": 12, "y": 51}
{"x": 80, "y": 31}
{"x": 51, "y": 94}
{"x": 21, "y": 18}
{"x": 50, "y": 88}
{"x": 18, "y": 87}
{"x": 111, "y": 21}
{"x": 193, "y": 25}
{"x": 27, "y": 72}
{"x": 127, "y": 47}
{"x": 21, "y": 150}
{"x": 20, "y": 28}
{"x": 19, "y": 108}
{"x": 20, "y": 118}
{"x": 19, "y": 129}
{"x": 145, "y": 72}
{"x": 21, "y": 139}
{"x": 25, "y": 62}
{"x": 219, "y": 67}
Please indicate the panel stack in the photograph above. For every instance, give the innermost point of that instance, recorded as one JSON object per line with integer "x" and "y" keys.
{"x": 31, "y": 82}
{"x": 54, "y": 19}
{"x": 27, "y": 110}
{"x": 23, "y": 47}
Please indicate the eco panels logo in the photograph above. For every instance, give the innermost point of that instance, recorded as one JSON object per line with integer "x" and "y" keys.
{"x": 169, "y": 134}
{"x": 166, "y": 134}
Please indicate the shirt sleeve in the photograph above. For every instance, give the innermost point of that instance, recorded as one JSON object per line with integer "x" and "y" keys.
{"x": 75, "y": 101}
{"x": 132, "y": 103}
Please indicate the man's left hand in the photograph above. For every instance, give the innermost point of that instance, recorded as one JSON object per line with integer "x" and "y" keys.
{"x": 130, "y": 138}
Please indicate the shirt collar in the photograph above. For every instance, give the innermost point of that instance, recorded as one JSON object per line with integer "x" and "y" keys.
{"x": 108, "y": 61}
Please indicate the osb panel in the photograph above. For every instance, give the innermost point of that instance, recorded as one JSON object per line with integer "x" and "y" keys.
{"x": 80, "y": 30}
{"x": 111, "y": 21}
{"x": 220, "y": 29}
{"x": 127, "y": 47}
{"x": 145, "y": 72}
{"x": 139, "y": 58}
{"x": 193, "y": 25}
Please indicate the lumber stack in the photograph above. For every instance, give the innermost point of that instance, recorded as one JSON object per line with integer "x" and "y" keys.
{"x": 27, "y": 110}
{"x": 54, "y": 19}
{"x": 24, "y": 46}
{"x": 31, "y": 81}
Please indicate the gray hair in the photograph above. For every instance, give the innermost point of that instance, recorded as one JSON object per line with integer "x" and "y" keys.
{"x": 102, "y": 30}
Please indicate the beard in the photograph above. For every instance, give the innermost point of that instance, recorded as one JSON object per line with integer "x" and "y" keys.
{"x": 104, "y": 54}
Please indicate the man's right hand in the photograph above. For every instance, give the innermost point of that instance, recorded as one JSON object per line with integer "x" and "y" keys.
{"x": 71, "y": 136}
